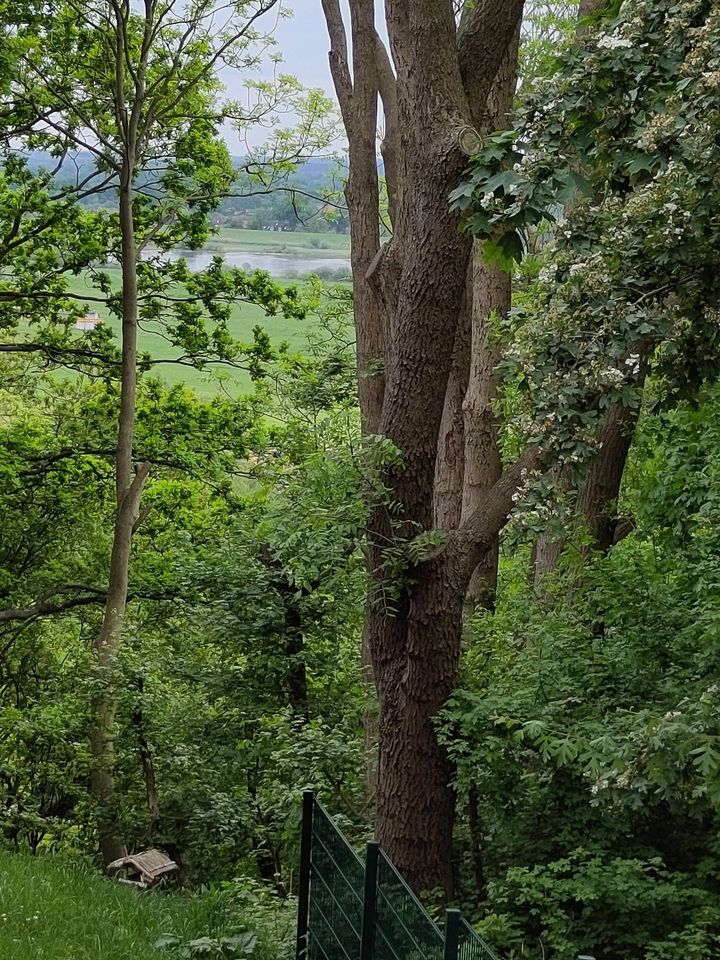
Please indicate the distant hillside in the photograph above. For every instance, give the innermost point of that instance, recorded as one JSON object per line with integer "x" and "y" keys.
{"x": 277, "y": 210}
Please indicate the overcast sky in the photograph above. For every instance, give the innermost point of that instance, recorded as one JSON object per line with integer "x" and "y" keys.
{"x": 303, "y": 41}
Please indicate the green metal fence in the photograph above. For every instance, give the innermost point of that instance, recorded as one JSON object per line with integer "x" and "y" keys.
{"x": 350, "y": 910}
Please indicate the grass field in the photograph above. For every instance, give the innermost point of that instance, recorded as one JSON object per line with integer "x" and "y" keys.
{"x": 51, "y": 909}
{"x": 281, "y": 242}
{"x": 244, "y": 318}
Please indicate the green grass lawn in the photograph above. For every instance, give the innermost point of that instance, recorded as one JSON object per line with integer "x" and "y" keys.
{"x": 51, "y": 909}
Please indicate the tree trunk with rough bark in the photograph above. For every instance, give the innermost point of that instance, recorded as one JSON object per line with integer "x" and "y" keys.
{"x": 598, "y": 495}
{"x": 450, "y": 462}
{"x": 468, "y": 458}
{"x": 414, "y": 621}
{"x": 483, "y": 462}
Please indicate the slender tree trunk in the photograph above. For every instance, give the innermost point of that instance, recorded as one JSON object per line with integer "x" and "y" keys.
{"x": 483, "y": 463}
{"x": 450, "y": 464}
{"x": 545, "y": 558}
{"x": 128, "y": 491}
{"x": 598, "y": 496}
{"x": 492, "y": 299}
{"x": 148, "y": 764}
{"x": 358, "y": 97}
{"x": 295, "y": 652}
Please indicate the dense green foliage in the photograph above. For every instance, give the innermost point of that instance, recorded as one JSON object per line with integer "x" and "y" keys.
{"x": 586, "y": 732}
{"x": 240, "y": 660}
{"x": 614, "y": 160}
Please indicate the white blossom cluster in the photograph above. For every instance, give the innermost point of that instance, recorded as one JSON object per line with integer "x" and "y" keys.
{"x": 619, "y": 282}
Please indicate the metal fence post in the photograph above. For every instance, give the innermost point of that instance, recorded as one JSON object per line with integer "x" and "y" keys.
{"x": 452, "y": 934}
{"x": 367, "y": 938}
{"x": 301, "y": 949}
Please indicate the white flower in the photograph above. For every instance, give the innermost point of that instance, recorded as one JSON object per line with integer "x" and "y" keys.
{"x": 609, "y": 42}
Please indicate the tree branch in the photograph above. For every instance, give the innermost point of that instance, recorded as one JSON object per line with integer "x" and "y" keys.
{"x": 486, "y": 30}
{"x": 338, "y": 57}
{"x": 487, "y": 521}
{"x": 86, "y": 596}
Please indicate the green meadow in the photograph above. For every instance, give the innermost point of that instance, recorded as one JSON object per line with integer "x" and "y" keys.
{"x": 244, "y": 316}
{"x": 281, "y": 242}
{"x": 54, "y": 909}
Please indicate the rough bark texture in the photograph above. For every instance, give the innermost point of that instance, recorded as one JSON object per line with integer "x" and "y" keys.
{"x": 492, "y": 299}
{"x": 468, "y": 456}
{"x": 483, "y": 463}
{"x": 588, "y": 7}
{"x": 597, "y": 498}
{"x": 418, "y": 281}
{"x": 450, "y": 462}
{"x": 358, "y": 98}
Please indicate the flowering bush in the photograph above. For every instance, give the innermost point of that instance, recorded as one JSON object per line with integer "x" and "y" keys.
{"x": 615, "y": 159}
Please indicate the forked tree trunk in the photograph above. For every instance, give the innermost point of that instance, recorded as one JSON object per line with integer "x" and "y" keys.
{"x": 415, "y": 612}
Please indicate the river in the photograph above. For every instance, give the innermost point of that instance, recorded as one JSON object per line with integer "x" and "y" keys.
{"x": 276, "y": 264}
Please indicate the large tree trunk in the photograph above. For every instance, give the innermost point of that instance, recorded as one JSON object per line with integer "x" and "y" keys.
{"x": 416, "y": 803}
{"x": 415, "y": 612}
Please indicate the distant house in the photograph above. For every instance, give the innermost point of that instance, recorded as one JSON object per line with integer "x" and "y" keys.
{"x": 88, "y": 322}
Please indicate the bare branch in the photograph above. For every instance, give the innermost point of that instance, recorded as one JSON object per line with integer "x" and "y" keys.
{"x": 339, "y": 57}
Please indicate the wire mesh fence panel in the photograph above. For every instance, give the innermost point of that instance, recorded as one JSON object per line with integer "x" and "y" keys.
{"x": 404, "y": 929}
{"x": 336, "y": 893}
{"x": 354, "y": 910}
{"x": 471, "y": 946}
